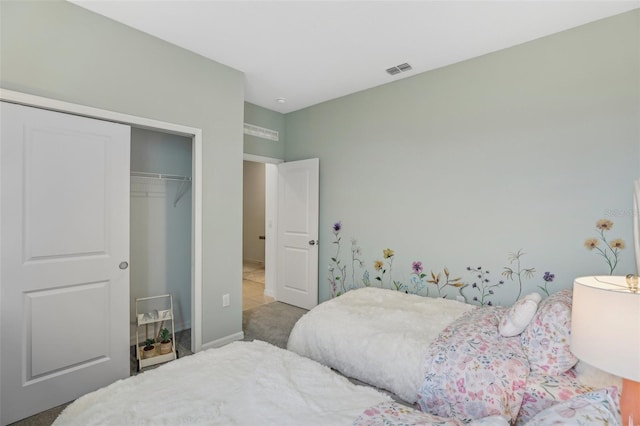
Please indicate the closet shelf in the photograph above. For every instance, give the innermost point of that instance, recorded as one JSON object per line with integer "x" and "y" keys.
{"x": 154, "y": 316}
{"x": 162, "y": 176}
{"x": 184, "y": 182}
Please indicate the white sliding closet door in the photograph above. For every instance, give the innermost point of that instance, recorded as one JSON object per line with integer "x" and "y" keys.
{"x": 64, "y": 282}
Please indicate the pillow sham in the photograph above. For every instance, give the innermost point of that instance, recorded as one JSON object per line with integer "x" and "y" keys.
{"x": 547, "y": 339}
{"x": 518, "y": 317}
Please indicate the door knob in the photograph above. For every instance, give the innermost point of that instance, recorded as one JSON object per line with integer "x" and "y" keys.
{"x": 123, "y": 265}
{"x": 313, "y": 243}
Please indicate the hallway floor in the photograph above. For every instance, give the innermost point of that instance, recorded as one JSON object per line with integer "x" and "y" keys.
{"x": 253, "y": 286}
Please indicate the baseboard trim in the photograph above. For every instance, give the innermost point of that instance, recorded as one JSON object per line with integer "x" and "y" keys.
{"x": 223, "y": 341}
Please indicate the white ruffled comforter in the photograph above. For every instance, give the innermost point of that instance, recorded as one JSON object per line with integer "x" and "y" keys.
{"x": 243, "y": 383}
{"x": 375, "y": 335}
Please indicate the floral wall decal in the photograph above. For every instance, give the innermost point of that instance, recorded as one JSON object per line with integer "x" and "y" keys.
{"x": 355, "y": 260}
{"x": 547, "y": 278}
{"x": 448, "y": 281}
{"x": 418, "y": 277}
{"x": 379, "y": 266}
{"x": 337, "y": 271}
{"x": 519, "y": 272}
{"x": 482, "y": 284}
{"x": 434, "y": 284}
{"x": 611, "y": 249}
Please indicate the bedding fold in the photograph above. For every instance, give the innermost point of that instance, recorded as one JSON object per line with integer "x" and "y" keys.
{"x": 377, "y": 336}
{"x": 394, "y": 414}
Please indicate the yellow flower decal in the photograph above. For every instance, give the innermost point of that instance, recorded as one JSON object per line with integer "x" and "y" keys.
{"x": 377, "y": 265}
{"x": 388, "y": 253}
{"x": 604, "y": 224}
{"x": 610, "y": 250}
{"x": 591, "y": 243}
{"x": 617, "y": 244}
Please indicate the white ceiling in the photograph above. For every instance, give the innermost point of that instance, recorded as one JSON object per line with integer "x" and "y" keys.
{"x": 308, "y": 52}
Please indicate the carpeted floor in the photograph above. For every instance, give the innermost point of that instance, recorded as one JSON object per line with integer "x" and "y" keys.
{"x": 271, "y": 323}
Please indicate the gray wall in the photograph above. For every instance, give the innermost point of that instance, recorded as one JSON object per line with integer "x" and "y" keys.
{"x": 258, "y": 116}
{"x": 525, "y": 148}
{"x": 253, "y": 212}
{"x": 59, "y": 50}
{"x": 157, "y": 152}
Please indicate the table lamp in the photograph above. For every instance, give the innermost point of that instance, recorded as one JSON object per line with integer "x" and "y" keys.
{"x": 605, "y": 333}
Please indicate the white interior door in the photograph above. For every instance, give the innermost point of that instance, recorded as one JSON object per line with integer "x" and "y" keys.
{"x": 64, "y": 227}
{"x": 298, "y": 200}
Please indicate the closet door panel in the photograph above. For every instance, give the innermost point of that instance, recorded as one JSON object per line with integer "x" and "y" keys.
{"x": 64, "y": 221}
{"x": 73, "y": 224}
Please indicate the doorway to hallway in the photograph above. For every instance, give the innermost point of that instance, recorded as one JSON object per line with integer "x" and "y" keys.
{"x": 253, "y": 286}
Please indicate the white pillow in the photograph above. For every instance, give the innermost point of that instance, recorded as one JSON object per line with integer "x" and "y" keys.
{"x": 518, "y": 317}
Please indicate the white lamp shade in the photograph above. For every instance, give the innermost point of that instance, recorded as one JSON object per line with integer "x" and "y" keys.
{"x": 605, "y": 325}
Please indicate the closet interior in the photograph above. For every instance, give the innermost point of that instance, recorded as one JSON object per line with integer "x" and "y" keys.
{"x": 160, "y": 223}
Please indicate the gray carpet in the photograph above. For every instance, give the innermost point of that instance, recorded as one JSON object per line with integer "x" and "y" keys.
{"x": 271, "y": 323}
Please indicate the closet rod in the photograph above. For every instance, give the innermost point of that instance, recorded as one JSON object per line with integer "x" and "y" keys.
{"x": 161, "y": 176}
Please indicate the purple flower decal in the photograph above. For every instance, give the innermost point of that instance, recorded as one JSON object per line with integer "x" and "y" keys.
{"x": 337, "y": 227}
{"x": 547, "y": 278}
{"x": 417, "y": 267}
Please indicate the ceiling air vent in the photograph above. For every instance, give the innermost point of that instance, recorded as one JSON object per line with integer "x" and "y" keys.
{"x": 393, "y": 70}
{"x": 261, "y": 132}
{"x": 399, "y": 68}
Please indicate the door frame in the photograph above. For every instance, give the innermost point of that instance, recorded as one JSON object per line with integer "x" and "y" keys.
{"x": 271, "y": 222}
{"x": 196, "y": 183}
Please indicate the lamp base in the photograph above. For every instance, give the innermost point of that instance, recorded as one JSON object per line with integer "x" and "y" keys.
{"x": 630, "y": 403}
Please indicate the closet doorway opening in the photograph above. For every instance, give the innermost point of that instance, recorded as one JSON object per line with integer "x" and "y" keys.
{"x": 260, "y": 184}
{"x": 160, "y": 235}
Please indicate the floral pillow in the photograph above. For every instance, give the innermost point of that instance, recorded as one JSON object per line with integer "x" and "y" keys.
{"x": 471, "y": 372}
{"x": 547, "y": 339}
{"x": 594, "y": 408}
{"x": 518, "y": 317}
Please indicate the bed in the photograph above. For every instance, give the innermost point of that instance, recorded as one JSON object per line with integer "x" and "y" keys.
{"x": 375, "y": 335}
{"x": 447, "y": 357}
{"x": 244, "y": 383}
